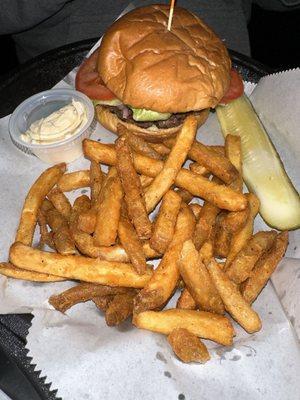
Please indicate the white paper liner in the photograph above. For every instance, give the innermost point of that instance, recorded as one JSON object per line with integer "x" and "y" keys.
{"x": 85, "y": 359}
{"x": 286, "y": 280}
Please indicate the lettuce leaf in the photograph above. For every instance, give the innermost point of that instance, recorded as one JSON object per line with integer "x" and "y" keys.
{"x": 143, "y": 115}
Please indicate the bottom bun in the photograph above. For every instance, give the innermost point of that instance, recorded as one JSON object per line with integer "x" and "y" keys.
{"x": 110, "y": 121}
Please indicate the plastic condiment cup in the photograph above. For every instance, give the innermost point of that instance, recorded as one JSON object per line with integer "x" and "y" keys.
{"x": 40, "y": 106}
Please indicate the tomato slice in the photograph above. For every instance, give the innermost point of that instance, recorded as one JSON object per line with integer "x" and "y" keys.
{"x": 89, "y": 82}
{"x": 236, "y": 87}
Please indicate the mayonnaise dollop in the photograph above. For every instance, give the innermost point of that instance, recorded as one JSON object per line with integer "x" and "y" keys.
{"x": 59, "y": 125}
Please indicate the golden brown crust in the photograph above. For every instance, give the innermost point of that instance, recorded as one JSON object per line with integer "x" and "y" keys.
{"x": 110, "y": 121}
{"x": 187, "y": 346}
{"x": 82, "y": 293}
{"x": 147, "y": 66}
{"x": 9, "y": 270}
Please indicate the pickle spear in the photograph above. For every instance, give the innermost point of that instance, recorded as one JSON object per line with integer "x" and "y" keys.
{"x": 263, "y": 171}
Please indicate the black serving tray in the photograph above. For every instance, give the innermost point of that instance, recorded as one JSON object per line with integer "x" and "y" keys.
{"x": 17, "y": 376}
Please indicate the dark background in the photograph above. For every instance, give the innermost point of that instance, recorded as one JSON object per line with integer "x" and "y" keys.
{"x": 274, "y": 39}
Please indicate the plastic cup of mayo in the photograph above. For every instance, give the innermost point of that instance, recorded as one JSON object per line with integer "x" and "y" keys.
{"x": 52, "y": 125}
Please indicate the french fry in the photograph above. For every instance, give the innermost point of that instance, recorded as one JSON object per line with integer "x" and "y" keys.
{"x": 235, "y": 220}
{"x": 165, "y": 278}
{"x": 138, "y": 144}
{"x": 242, "y": 265}
{"x": 81, "y": 205}
{"x": 33, "y": 202}
{"x": 45, "y": 236}
{"x": 106, "y": 154}
{"x": 60, "y": 202}
{"x": 11, "y": 271}
{"x": 112, "y": 173}
{"x": 218, "y": 149}
{"x": 145, "y": 181}
{"x": 198, "y": 281}
{"x": 74, "y": 180}
{"x": 78, "y": 267}
{"x": 120, "y": 308}
{"x": 264, "y": 268}
{"x": 186, "y": 301}
{"x": 85, "y": 244}
{"x": 166, "y": 177}
{"x": 206, "y": 252}
{"x": 96, "y": 181}
{"x": 234, "y": 302}
{"x": 187, "y": 346}
{"x": 55, "y": 220}
{"x": 240, "y": 238}
{"x": 62, "y": 237}
{"x": 213, "y": 161}
{"x": 221, "y": 265}
{"x": 149, "y": 252}
{"x": 108, "y": 214}
{"x": 164, "y": 225}
{"x": 220, "y": 195}
{"x": 87, "y": 220}
{"x": 132, "y": 244}
{"x": 222, "y": 237}
{"x": 185, "y": 195}
{"x": 133, "y": 193}
{"x": 196, "y": 209}
{"x": 160, "y": 148}
{"x": 199, "y": 169}
{"x": 205, "y": 223}
{"x": 103, "y": 302}
{"x": 46, "y": 205}
{"x": 63, "y": 241}
{"x": 82, "y": 293}
{"x": 203, "y": 324}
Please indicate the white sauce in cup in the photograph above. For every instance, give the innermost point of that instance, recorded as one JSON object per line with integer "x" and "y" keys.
{"x": 59, "y": 125}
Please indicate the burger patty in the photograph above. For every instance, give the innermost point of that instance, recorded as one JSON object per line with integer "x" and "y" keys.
{"x": 125, "y": 114}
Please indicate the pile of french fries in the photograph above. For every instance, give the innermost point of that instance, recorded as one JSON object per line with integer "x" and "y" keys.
{"x": 104, "y": 241}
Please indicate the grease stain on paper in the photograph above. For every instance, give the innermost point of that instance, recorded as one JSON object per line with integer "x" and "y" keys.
{"x": 221, "y": 352}
{"x": 161, "y": 357}
{"x": 167, "y": 374}
{"x": 159, "y": 344}
{"x": 126, "y": 326}
{"x": 252, "y": 351}
{"x": 235, "y": 358}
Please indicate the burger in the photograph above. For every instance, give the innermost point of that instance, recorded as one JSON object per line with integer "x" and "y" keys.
{"x": 149, "y": 78}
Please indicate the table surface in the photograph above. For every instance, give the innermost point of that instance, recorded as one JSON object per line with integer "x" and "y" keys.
{"x": 17, "y": 376}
